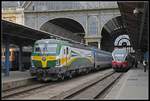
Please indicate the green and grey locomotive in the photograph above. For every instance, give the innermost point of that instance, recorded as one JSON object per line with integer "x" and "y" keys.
{"x": 56, "y": 59}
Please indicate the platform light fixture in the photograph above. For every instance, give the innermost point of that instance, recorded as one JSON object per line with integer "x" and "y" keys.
{"x": 137, "y": 11}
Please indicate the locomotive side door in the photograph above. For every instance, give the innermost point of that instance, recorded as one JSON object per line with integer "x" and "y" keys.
{"x": 65, "y": 52}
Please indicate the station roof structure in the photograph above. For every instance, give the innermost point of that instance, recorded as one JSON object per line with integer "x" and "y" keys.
{"x": 19, "y": 33}
{"x": 135, "y": 16}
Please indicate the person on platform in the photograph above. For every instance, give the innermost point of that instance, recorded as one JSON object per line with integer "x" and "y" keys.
{"x": 145, "y": 61}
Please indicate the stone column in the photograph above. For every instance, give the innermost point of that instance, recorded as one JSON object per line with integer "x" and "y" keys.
{"x": 86, "y": 30}
{"x": 99, "y": 25}
{"x": 99, "y": 44}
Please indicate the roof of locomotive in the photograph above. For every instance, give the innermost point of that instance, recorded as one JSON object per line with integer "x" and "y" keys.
{"x": 59, "y": 42}
{"x": 81, "y": 46}
{"x": 51, "y": 41}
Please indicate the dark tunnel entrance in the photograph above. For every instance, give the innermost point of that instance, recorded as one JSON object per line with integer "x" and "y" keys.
{"x": 65, "y": 27}
{"x": 111, "y": 30}
{"x": 107, "y": 41}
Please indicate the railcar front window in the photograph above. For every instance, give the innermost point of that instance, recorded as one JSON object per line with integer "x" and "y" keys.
{"x": 119, "y": 57}
{"x": 119, "y": 54}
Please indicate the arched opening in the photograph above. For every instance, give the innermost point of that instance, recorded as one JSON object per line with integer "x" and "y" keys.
{"x": 124, "y": 41}
{"x": 111, "y": 30}
{"x": 106, "y": 41}
{"x": 65, "y": 27}
{"x": 124, "y": 44}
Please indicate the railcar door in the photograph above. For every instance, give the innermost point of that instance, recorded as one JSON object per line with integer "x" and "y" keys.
{"x": 66, "y": 54}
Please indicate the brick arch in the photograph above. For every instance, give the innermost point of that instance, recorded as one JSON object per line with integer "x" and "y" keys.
{"x": 71, "y": 32}
{"x": 72, "y": 18}
{"x": 108, "y": 20}
{"x": 108, "y": 37}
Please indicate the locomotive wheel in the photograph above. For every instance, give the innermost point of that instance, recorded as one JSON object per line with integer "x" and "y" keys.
{"x": 70, "y": 75}
{"x": 61, "y": 76}
{"x": 32, "y": 74}
{"x": 87, "y": 71}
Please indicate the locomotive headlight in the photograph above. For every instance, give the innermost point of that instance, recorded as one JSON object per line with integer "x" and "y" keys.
{"x": 32, "y": 65}
{"x": 31, "y": 57}
{"x": 58, "y": 62}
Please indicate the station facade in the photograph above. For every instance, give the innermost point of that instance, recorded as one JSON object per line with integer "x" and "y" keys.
{"x": 83, "y": 21}
{"x": 94, "y": 23}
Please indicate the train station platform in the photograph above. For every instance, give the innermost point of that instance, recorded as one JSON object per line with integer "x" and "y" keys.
{"x": 133, "y": 85}
{"x": 16, "y": 79}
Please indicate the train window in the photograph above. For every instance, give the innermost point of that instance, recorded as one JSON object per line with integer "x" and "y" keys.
{"x": 67, "y": 51}
{"x": 10, "y": 53}
{"x": 5, "y": 53}
{"x": 37, "y": 49}
{"x": 93, "y": 44}
{"x": 64, "y": 51}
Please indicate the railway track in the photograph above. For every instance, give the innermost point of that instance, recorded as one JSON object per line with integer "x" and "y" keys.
{"x": 30, "y": 90}
{"x": 90, "y": 90}
{"x": 24, "y": 89}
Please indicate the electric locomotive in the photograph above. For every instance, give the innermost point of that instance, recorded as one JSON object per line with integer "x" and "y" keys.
{"x": 54, "y": 59}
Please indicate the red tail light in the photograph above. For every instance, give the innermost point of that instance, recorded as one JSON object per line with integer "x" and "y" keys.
{"x": 125, "y": 64}
{"x": 114, "y": 62}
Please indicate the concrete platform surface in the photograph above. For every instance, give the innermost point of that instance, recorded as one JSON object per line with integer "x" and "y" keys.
{"x": 133, "y": 85}
{"x": 16, "y": 79}
{"x": 15, "y": 75}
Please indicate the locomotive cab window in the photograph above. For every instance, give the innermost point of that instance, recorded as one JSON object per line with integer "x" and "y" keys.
{"x": 46, "y": 48}
{"x": 51, "y": 48}
{"x": 119, "y": 57}
{"x": 39, "y": 47}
